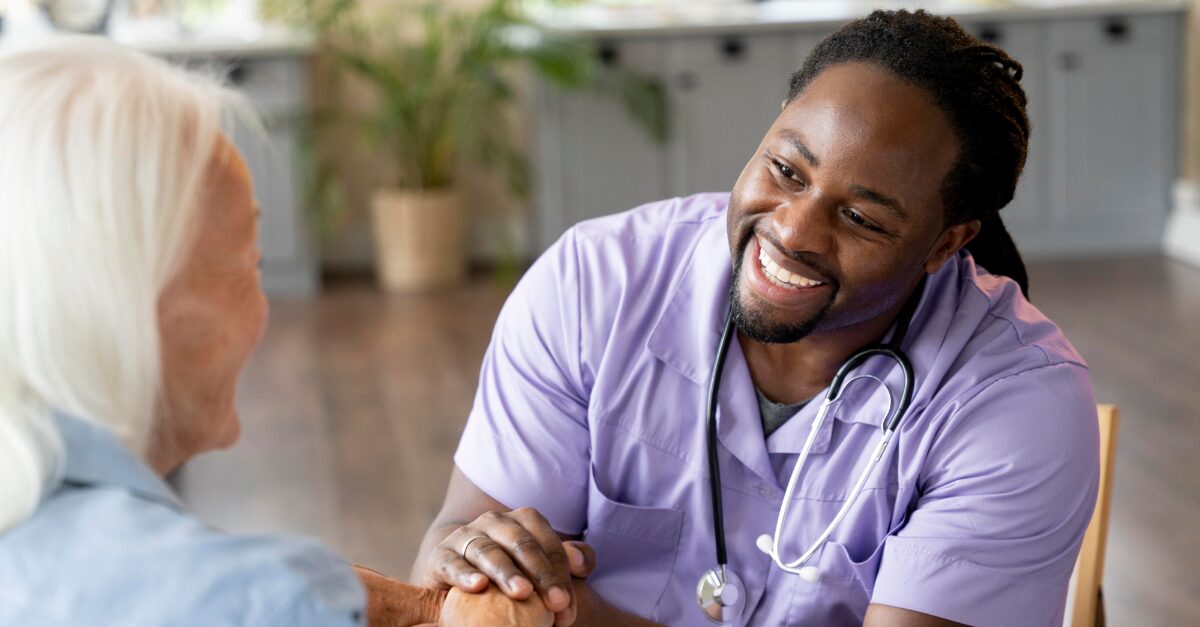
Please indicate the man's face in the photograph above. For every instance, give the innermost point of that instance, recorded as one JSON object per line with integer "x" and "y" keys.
{"x": 838, "y": 213}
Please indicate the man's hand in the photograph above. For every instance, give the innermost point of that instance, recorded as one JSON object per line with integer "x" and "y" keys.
{"x": 520, "y": 553}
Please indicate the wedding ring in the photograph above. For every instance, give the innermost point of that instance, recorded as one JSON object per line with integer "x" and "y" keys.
{"x": 467, "y": 545}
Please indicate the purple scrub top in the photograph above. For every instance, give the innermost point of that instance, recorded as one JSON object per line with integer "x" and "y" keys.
{"x": 590, "y": 408}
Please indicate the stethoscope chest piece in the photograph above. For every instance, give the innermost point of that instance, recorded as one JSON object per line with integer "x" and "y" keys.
{"x": 721, "y": 596}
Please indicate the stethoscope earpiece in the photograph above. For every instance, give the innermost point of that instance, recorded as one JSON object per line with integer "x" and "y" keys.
{"x": 764, "y": 543}
{"x": 811, "y": 574}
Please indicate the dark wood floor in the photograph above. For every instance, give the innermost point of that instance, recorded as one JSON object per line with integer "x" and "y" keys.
{"x": 353, "y": 407}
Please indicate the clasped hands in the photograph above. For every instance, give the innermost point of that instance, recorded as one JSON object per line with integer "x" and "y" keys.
{"x": 505, "y": 569}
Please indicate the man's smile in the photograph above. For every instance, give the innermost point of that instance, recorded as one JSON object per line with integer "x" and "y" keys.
{"x": 777, "y": 279}
{"x": 781, "y": 275}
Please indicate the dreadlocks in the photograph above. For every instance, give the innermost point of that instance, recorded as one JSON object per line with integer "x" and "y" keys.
{"x": 977, "y": 86}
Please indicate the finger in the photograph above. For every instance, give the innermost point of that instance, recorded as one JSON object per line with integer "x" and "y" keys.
{"x": 437, "y": 565}
{"x": 582, "y": 558}
{"x": 537, "y": 550}
{"x": 487, "y": 555}
{"x": 452, "y": 570}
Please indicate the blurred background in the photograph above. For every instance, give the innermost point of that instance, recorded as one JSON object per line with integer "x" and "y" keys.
{"x": 414, "y": 157}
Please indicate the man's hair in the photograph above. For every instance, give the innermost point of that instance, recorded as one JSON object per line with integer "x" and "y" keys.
{"x": 102, "y": 154}
{"x": 977, "y": 86}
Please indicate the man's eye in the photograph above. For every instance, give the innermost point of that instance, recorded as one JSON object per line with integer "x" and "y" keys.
{"x": 858, "y": 219}
{"x": 784, "y": 169}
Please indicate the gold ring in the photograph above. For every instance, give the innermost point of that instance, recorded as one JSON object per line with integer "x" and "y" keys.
{"x": 467, "y": 545}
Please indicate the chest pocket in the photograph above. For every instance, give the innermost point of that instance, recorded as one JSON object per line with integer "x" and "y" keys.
{"x": 635, "y": 550}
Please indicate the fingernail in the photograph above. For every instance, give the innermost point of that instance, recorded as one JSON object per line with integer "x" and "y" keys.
{"x": 575, "y": 556}
{"x": 557, "y": 597}
{"x": 519, "y": 584}
{"x": 475, "y": 580}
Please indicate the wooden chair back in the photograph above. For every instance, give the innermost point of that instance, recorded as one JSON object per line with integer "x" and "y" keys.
{"x": 1088, "y": 606}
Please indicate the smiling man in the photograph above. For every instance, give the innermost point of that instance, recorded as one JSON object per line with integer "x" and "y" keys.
{"x": 870, "y": 208}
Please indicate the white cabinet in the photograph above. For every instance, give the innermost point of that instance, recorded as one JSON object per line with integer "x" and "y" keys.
{"x": 1025, "y": 42}
{"x": 1112, "y": 93}
{"x": 591, "y": 158}
{"x": 1102, "y": 104}
{"x": 726, "y": 92}
{"x": 1103, "y": 97}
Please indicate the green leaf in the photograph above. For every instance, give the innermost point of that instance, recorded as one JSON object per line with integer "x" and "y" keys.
{"x": 442, "y": 82}
{"x": 645, "y": 100}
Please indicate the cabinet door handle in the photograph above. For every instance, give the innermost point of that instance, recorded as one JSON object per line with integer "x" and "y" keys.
{"x": 608, "y": 54}
{"x": 1068, "y": 61}
{"x": 1116, "y": 29}
{"x": 991, "y": 34}
{"x": 733, "y": 48}
{"x": 237, "y": 74}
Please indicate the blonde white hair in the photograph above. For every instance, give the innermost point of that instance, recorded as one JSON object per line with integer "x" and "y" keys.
{"x": 102, "y": 151}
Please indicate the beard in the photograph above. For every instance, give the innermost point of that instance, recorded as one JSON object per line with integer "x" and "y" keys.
{"x": 756, "y": 324}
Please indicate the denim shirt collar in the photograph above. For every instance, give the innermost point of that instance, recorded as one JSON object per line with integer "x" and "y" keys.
{"x": 94, "y": 456}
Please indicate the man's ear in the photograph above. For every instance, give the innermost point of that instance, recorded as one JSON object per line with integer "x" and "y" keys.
{"x": 950, "y": 242}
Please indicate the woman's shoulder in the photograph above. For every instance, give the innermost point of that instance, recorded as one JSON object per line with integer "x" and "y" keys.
{"x": 103, "y": 555}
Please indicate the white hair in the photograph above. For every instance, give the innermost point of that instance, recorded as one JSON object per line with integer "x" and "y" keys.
{"x": 102, "y": 151}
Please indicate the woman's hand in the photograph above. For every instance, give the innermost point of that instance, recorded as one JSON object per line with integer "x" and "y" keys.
{"x": 392, "y": 603}
{"x": 520, "y": 553}
{"x": 494, "y": 609}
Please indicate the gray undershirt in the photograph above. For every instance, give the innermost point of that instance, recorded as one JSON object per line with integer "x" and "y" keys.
{"x": 775, "y": 414}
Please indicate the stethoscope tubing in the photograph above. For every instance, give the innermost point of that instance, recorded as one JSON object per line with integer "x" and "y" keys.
{"x": 793, "y": 567}
{"x": 714, "y": 466}
{"x": 891, "y": 349}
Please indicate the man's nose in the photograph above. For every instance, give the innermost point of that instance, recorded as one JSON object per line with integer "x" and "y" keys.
{"x": 805, "y": 223}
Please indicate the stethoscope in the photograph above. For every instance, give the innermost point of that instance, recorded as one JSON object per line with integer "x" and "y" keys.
{"x": 720, "y": 592}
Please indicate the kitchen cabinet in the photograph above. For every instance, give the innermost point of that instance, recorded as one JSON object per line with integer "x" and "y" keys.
{"x": 1025, "y": 42}
{"x": 1102, "y": 99}
{"x": 1112, "y": 94}
{"x": 726, "y": 92}
{"x": 592, "y": 159}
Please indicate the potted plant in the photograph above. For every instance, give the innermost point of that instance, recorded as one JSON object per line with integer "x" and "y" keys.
{"x": 442, "y": 79}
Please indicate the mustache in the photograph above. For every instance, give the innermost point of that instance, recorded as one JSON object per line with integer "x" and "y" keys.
{"x": 801, "y": 256}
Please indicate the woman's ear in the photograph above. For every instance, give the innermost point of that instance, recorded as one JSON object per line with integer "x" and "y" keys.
{"x": 950, "y": 242}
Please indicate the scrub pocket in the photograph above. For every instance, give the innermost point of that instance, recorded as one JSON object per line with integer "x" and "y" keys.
{"x": 635, "y": 550}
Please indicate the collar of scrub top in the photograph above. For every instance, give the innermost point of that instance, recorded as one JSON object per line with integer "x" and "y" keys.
{"x": 686, "y": 336}
{"x": 95, "y": 456}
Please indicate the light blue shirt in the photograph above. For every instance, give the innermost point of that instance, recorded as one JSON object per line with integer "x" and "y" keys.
{"x": 113, "y": 546}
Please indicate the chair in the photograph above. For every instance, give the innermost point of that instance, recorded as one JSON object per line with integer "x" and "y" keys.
{"x": 1088, "y": 606}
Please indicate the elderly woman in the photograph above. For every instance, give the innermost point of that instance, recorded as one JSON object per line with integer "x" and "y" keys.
{"x": 129, "y": 304}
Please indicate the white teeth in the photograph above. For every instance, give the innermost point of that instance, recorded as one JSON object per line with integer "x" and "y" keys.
{"x": 780, "y": 275}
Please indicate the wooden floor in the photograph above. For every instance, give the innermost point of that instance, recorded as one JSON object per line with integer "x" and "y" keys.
{"x": 353, "y": 406}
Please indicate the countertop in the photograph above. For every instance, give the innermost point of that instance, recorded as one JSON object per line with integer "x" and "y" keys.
{"x": 241, "y": 40}
{"x": 268, "y": 41}
{"x": 778, "y": 15}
